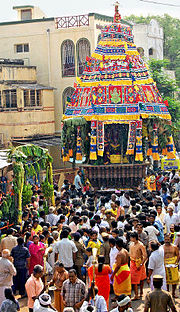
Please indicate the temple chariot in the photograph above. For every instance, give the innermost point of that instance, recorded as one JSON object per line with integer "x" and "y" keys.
{"x": 114, "y": 120}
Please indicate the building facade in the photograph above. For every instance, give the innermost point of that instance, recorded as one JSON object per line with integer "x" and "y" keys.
{"x": 26, "y": 107}
{"x": 58, "y": 47}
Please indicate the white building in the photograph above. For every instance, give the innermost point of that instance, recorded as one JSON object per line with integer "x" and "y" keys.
{"x": 58, "y": 46}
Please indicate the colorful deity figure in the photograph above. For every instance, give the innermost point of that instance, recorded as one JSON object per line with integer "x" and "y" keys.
{"x": 107, "y": 139}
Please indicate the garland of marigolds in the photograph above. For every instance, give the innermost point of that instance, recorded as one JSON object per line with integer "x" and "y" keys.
{"x": 27, "y": 161}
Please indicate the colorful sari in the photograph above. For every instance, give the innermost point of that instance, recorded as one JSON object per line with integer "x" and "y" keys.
{"x": 36, "y": 255}
{"x": 122, "y": 281}
{"x": 102, "y": 281}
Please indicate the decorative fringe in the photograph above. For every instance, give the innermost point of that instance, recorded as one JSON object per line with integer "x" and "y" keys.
{"x": 171, "y": 151}
{"x": 139, "y": 153}
{"x": 100, "y": 138}
{"x": 154, "y": 145}
{"x": 131, "y": 138}
{"x": 93, "y": 147}
{"x": 78, "y": 145}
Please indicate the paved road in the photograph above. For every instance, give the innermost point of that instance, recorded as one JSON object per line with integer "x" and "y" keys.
{"x": 138, "y": 306}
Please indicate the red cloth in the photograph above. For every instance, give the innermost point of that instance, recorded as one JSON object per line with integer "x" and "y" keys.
{"x": 102, "y": 281}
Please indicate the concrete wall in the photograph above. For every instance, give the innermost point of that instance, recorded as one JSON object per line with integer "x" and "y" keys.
{"x": 17, "y": 73}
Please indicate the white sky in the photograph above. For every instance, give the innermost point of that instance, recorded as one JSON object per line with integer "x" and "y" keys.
{"x": 55, "y": 8}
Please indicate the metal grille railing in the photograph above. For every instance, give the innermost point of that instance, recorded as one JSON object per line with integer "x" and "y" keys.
{"x": 72, "y": 21}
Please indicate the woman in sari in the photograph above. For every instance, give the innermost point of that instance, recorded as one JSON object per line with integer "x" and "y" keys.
{"x": 59, "y": 276}
{"x": 37, "y": 250}
{"x": 101, "y": 277}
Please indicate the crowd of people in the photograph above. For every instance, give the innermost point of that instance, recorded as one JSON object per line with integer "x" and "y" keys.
{"x": 93, "y": 244}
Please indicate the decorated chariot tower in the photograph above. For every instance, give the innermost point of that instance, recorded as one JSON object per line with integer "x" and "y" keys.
{"x": 116, "y": 117}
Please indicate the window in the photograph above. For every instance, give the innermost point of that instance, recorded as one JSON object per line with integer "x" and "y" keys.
{"x": 10, "y": 98}
{"x": 150, "y": 51}
{"x": 68, "y": 92}
{"x": 68, "y": 58}
{"x": 20, "y": 48}
{"x": 32, "y": 98}
{"x": 26, "y": 15}
{"x": 83, "y": 50}
{"x": 141, "y": 51}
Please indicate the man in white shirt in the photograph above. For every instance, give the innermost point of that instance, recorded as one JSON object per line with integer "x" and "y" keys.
{"x": 152, "y": 232}
{"x": 65, "y": 251}
{"x": 43, "y": 304}
{"x": 125, "y": 201}
{"x": 113, "y": 252}
{"x": 170, "y": 218}
{"x": 51, "y": 217}
{"x": 77, "y": 181}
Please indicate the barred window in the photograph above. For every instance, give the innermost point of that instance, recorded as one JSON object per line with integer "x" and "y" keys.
{"x": 83, "y": 50}
{"x": 10, "y": 99}
{"x": 32, "y": 98}
{"x": 68, "y": 58}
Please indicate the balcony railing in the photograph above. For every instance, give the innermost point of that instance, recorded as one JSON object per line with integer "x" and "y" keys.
{"x": 72, "y": 21}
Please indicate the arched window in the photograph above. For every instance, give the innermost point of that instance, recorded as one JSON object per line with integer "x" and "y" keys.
{"x": 83, "y": 50}
{"x": 67, "y": 93}
{"x": 141, "y": 51}
{"x": 150, "y": 51}
{"x": 68, "y": 58}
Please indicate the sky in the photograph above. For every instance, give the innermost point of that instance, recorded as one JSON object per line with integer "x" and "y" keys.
{"x": 55, "y": 8}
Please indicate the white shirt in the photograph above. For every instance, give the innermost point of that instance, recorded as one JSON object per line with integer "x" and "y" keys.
{"x": 113, "y": 254}
{"x": 152, "y": 233}
{"x": 65, "y": 248}
{"x": 168, "y": 220}
{"x": 38, "y": 308}
{"x": 99, "y": 303}
{"x": 125, "y": 201}
{"x": 120, "y": 225}
{"x": 51, "y": 218}
{"x": 156, "y": 263}
{"x": 77, "y": 181}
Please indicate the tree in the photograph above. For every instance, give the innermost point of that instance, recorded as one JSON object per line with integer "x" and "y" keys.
{"x": 171, "y": 28}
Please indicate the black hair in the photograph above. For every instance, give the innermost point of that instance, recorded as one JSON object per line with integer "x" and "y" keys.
{"x": 64, "y": 234}
{"x": 119, "y": 243}
{"x": 9, "y": 295}
{"x": 112, "y": 241}
{"x": 101, "y": 261}
{"x": 73, "y": 271}
{"x": 154, "y": 246}
{"x": 50, "y": 240}
{"x": 134, "y": 235}
{"x": 20, "y": 241}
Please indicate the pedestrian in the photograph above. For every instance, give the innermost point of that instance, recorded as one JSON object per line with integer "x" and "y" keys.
{"x": 123, "y": 304}
{"x": 93, "y": 299}
{"x": 138, "y": 258}
{"x": 37, "y": 251}
{"x": 78, "y": 183}
{"x": 21, "y": 257}
{"x": 73, "y": 291}
{"x": 105, "y": 247}
{"x": 79, "y": 259}
{"x": 43, "y": 304}
{"x": 65, "y": 250}
{"x": 158, "y": 299}
{"x": 34, "y": 286}
{"x": 10, "y": 304}
{"x": 102, "y": 280}
{"x": 9, "y": 241}
{"x": 121, "y": 273}
{"x": 59, "y": 276}
{"x": 171, "y": 260}
{"x": 7, "y": 271}
{"x": 156, "y": 264}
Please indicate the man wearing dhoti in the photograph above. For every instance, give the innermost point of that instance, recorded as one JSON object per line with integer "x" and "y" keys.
{"x": 171, "y": 260}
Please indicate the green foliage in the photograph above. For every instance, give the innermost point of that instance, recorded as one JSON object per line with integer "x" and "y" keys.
{"x": 6, "y": 207}
{"x": 47, "y": 189}
{"x": 26, "y": 194}
{"x": 165, "y": 85}
{"x": 171, "y": 28}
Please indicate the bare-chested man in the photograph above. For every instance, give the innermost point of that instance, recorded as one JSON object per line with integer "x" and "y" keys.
{"x": 138, "y": 258}
{"x": 171, "y": 259}
{"x": 121, "y": 274}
